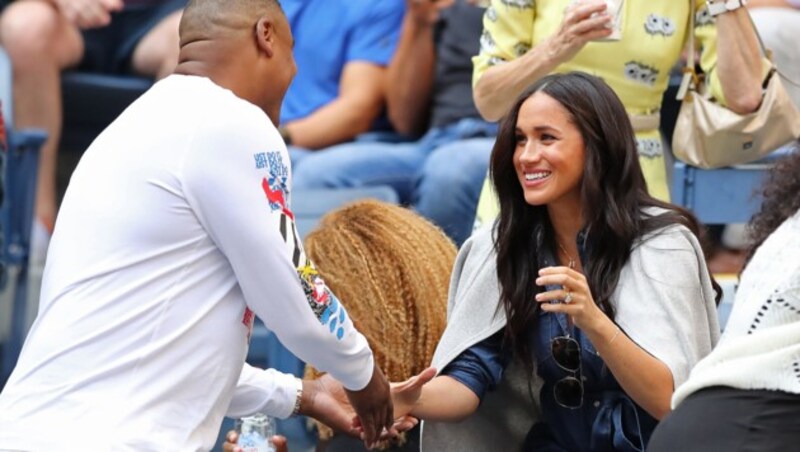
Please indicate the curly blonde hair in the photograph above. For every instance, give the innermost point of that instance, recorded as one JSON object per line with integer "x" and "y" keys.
{"x": 391, "y": 268}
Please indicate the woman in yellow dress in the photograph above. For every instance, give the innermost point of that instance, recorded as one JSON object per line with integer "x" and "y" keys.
{"x": 524, "y": 40}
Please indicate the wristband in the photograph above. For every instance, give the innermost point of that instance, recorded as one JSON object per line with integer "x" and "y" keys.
{"x": 615, "y": 336}
{"x": 717, "y": 8}
{"x": 296, "y": 410}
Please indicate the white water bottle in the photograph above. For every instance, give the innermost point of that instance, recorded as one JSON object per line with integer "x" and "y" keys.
{"x": 255, "y": 433}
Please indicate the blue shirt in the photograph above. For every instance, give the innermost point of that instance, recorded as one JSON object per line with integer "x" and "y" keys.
{"x": 607, "y": 420}
{"x": 328, "y": 34}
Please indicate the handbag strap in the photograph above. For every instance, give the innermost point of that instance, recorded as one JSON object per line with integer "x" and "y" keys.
{"x": 690, "y": 79}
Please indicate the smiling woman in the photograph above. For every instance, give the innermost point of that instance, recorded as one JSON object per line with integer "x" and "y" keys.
{"x": 549, "y": 155}
{"x": 564, "y": 306}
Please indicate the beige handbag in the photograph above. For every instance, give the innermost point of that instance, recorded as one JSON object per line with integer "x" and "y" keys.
{"x": 708, "y": 135}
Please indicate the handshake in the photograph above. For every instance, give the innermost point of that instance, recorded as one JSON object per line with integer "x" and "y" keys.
{"x": 376, "y": 413}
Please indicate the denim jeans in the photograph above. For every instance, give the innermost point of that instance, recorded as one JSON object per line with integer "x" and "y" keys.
{"x": 440, "y": 175}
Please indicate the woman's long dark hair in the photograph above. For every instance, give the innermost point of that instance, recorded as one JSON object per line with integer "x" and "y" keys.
{"x": 781, "y": 199}
{"x": 613, "y": 193}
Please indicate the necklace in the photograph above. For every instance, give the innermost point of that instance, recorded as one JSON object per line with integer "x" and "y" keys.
{"x": 571, "y": 263}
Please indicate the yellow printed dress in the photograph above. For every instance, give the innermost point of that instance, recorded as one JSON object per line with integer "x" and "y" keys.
{"x": 637, "y": 66}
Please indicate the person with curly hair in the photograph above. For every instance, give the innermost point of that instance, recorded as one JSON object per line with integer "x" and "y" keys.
{"x": 393, "y": 266}
{"x": 745, "y": 395}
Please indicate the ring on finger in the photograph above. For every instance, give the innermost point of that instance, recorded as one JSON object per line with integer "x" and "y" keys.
{"x": 568, "y": 297}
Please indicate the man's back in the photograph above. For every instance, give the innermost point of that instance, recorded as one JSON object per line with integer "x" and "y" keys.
{"x": 134, "y": 288}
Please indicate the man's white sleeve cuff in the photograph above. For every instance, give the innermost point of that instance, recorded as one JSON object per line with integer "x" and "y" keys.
{"x": 264, "y": 391}
{"x": 287, "y": 387}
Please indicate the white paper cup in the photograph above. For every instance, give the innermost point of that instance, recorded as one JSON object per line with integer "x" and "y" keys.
{"x": 615, "y": 9}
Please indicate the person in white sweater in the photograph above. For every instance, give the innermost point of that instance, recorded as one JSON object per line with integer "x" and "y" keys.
{"x": 745, "y": 395}
{"x": 175, "y": 230}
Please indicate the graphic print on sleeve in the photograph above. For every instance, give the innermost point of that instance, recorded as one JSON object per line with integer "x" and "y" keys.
{"x": 327, "y": 308}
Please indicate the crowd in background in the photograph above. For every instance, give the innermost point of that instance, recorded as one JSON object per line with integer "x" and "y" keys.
{"x": 465, "y": 108}
{"x": 384, "y": 95}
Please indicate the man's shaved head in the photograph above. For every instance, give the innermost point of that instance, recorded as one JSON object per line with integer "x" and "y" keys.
{"x": 241, "y": 45}
{"x": 213, "y": 19}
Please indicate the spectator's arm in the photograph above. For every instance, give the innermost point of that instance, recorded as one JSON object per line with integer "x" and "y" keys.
{"x": 773, "y": 4}
{"x": 362, "y": 86}
{"x": 507, "y": 65}
{"x": 739, "y": 61}
{"x": 359, "y": 102}
{"x": 412, "y": 70}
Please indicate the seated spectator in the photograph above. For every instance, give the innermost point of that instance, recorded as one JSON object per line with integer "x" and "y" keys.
{"x": 393, "y": 267}
{"x": 566, "y": 307}
{"x": 526, "y": 40}
{"x": 44, "y": 37}
{"x": 777, "y": 21}
{"x": 428, "y": 91}
{"x": 745, "y": 395}
{"x": 341, "y": 48}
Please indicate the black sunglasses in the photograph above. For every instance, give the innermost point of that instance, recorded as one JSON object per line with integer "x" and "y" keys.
{"x": 568, "y": 391}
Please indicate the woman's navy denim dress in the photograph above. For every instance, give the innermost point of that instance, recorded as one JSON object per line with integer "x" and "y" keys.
{"x": 607, "y": 420}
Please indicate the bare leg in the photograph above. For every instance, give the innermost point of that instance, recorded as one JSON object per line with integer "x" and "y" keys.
{"x": 40, "y": 43}
{"x": 157, "y": 53}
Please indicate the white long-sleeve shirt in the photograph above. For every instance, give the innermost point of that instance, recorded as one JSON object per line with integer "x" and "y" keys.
{"x": 173, "y": 231}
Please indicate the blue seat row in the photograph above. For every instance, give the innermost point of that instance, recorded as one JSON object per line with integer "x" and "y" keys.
{"x": 19, "y": 161}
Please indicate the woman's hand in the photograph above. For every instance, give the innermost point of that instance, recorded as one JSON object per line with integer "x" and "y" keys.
{"x": 583, "y": 22}
{"x": 577, "y": 300}
{"x": 404, "y": 397}
{"x": 406, "y": 394}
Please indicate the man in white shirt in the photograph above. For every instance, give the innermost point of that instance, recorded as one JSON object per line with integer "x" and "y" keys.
{"x": 175, "y": 229}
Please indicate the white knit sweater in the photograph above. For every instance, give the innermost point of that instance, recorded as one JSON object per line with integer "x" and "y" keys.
{"x": 760, "y": 348}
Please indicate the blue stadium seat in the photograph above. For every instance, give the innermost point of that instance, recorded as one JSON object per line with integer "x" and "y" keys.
{"x": 724, "y": 195}
{"x": 92, "y": 101}
{"x": 19, "y": 166}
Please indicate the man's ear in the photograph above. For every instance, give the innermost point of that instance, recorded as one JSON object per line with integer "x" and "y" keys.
{"x": 265, "y": 35}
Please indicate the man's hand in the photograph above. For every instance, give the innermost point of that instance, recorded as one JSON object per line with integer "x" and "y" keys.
{"x": 330, "y": 415}
{"x": 373, "y": 405}
{"x": 325, "y": 400}
{"x": 88, "y": 13}
{"x": 230, "y": 443}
